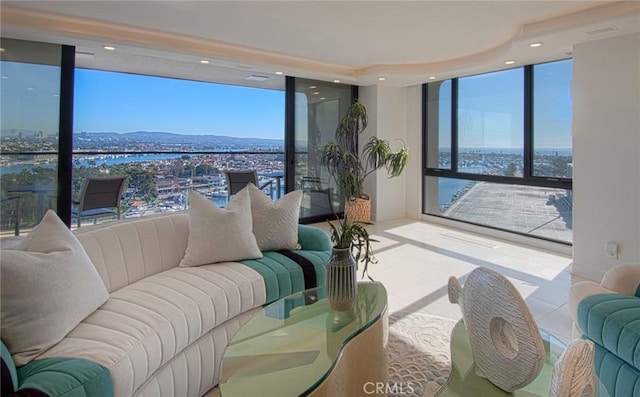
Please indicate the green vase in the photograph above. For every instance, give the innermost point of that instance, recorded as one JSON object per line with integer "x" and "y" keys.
{"x": 342, "y": 287}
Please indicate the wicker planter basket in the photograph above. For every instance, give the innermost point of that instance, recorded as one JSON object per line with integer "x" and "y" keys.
{"x": 358, "y": 209}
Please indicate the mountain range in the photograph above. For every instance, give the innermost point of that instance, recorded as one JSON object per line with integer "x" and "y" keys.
{"x": 173, "y": 138}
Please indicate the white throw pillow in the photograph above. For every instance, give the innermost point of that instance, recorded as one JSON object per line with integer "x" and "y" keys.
{"x": 275, "y": 225}
{"x": 49, "y": 285}
{"x": 220, "y": 234}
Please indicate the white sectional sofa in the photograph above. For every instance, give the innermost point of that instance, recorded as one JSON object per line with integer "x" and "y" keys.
{"x": 164, "y": 328}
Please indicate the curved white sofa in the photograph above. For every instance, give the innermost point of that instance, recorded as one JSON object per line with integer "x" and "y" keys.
{"x": 164, "y": 328}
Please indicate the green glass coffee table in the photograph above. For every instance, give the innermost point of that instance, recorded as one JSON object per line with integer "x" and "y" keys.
{"x": 299, "y": 346}
{"x": 465, "y": 381}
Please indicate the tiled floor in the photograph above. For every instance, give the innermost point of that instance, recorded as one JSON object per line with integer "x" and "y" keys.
{"x": 416, "y": 260}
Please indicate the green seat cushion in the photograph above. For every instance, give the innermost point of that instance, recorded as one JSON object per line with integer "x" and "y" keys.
{"x": 613, "y": 322}
{"x": 617, "y": 377}
{"x": 68, "y": 377}
{"x": 283, "y": 276}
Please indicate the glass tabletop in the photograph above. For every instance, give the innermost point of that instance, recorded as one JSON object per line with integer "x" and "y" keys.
{"x": 465, "y": 380}
{"x": 291, "y": 345}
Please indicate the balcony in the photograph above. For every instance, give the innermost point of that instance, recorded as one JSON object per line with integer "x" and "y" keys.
{"x": 157, "y": 182}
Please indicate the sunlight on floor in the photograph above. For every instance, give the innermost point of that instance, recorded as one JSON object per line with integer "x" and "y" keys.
{"x": 417, "y": 258}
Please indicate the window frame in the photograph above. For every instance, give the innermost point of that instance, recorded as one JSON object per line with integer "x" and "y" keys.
{"x": 527, "y": 179}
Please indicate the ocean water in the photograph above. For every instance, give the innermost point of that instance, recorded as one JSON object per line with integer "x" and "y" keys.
{"x": 133, "y": 158}
{"x": 448, "y": 188}
{"x": 111, "y": 160}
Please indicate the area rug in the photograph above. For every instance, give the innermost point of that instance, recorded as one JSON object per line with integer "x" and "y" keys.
{"x": 418, "y": 354}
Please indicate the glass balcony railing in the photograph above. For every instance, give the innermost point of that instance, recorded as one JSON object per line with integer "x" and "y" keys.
{"x": 160, "y": 182}
{"x": 28, "y": 185}
{"x": 157, "y": 182}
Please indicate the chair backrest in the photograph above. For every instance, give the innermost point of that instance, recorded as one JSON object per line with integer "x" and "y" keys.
{"x": 320, "y": 198}
{"x": 101, "y": 192}
{"x": 308, "y": 183}
{"x": 237, "y": 180}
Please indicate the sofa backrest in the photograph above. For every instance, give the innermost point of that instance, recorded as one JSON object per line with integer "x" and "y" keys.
{"x": 126, "y": 251}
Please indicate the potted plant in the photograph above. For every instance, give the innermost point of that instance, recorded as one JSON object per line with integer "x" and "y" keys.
{"x": 349, "y": 169}
{"x": 351, "y": 245}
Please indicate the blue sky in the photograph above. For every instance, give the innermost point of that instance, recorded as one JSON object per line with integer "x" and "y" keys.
{"x": 119, "y": 102}
{"x": 30, "y": 97}
{"x": 490, "y": 105}
{"x": 490, "y": 108}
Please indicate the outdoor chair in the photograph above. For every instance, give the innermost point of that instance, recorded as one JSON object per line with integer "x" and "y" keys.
{"x": 100, "y": 197}
{"x": 237, "y": 180}
{"x": 318, "y": 198}
{"x": 14, "y": 215}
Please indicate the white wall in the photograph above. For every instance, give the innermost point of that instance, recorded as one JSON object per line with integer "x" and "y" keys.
{"x": 387, "y": 110}
{"x": 606, "y": 147}
{"x": 413, "y": 172}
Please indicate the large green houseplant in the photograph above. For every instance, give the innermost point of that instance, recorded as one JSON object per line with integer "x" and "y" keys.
{"x": 349, "y": 168}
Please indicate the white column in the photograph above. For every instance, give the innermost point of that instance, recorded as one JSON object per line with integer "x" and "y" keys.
{"x": 606, "y": 147}
{"x": 387, "y": 110}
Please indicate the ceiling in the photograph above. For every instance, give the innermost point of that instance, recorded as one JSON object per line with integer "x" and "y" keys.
{"x": 356, "y": 42}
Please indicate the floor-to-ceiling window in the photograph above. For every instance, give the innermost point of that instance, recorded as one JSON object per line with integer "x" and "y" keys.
{"x": 30, "y": 100}
{"x": 498, "y": 150}
{"x": 319, "y": 107}
{"x": 169, "y": 136}
{"x": 166, "y": 135}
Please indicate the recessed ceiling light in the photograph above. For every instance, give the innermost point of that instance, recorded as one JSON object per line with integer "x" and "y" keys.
{"x": 602, "y": 30}
{"x": 315, "y": 93}
{"x": 255, "y": 77}
{"x": 204, "y": 61}
{"x": 5, "y": 77}
{"x": 536, "y": 44}
{"x": 1, "y": 49}
{"x": 432, "y": 77}
{"x": 29, "y": 88}
{"x": 381, "y": 79}
{"x": 279, "y": 73}
{"x": 336, "y": 81}
{"x": 323, "y": 98}
{"x": 109, "y": 48}
{"x": 509, "y": 62}
{"x": 312, "y": 87}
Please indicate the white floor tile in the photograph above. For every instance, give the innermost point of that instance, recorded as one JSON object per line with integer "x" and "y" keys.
{"x": 416, "y": 260}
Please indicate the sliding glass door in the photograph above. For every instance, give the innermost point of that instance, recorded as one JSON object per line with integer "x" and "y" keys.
{"x": 30, "y": 97}
{"x": 319, "y": 107}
